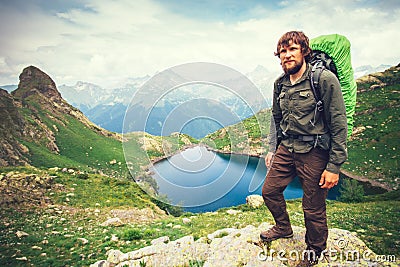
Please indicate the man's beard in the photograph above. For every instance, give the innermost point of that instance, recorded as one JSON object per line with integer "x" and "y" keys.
{"x": 294, "y": 69}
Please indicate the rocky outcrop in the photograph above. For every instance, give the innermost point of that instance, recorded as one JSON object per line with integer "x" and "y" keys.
{"x": 36, "y": 86}
{"x": 25, "y": 190}
{"x": 30, "y": 114}
{"x": 33, "y": 81}
{"x": 11, "y": 127}
{"x": 240, "y": 247}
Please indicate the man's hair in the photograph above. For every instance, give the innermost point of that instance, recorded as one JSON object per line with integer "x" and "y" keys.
{"x": 296, "y": 37}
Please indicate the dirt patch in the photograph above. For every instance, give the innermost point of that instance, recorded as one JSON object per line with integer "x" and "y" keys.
{"x": 136, "y": 215}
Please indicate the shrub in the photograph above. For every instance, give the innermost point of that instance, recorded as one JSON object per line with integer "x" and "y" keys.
{"x": 132, "y": 234}
{"x": 82, "y": 175}
{"x": 163, "y": 203}
{"x": 351, "y": 191}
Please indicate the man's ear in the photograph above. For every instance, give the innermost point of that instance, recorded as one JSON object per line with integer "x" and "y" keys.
{"x": 307, "y": 51}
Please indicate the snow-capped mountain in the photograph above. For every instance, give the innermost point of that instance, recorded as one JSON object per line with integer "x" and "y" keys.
{"x": 368, "y": 69}
{"x": 87, "y": 95}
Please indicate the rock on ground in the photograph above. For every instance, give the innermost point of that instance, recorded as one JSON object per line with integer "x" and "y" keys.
{"x": 255, "y": 201}
{"x": 237, "y": 247}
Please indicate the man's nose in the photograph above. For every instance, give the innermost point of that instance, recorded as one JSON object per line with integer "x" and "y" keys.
{"x": 288, "y": 54}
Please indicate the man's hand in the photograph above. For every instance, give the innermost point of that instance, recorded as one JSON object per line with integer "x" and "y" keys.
{"x": 268, "y": 159}
{"x": 328, "y": 179}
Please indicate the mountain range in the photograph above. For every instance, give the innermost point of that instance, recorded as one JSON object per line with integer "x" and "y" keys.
{"x": 106, "y": 107}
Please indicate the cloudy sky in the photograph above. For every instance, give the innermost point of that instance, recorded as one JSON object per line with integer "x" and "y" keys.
{"x": 106, "y": 42}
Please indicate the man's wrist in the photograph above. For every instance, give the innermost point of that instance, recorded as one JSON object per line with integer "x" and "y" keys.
{"x": 333, "y": 168}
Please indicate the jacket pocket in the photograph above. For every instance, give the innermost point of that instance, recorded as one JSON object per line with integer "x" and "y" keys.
{"x": 282, "y": 100}
{"x": 305, "y": 101}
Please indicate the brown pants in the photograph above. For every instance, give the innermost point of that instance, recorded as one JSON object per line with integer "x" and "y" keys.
{"x": 309, "y": 167}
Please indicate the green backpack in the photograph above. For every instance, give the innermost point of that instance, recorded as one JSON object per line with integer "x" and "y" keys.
{"x": 332, "y": 52}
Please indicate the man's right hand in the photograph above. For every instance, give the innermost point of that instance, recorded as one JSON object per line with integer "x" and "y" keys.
{"x": 268, "y": 159}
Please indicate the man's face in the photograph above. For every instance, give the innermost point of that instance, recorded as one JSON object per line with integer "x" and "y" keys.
{"x": 291, "y": 58}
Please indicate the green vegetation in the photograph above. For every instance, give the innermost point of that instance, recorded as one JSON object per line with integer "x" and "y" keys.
{"x": 248, "y": 136}
{"x": 69, "y": 232}
{"x": 80, "y": 147}
{"x": 373, "y": 148}
{"x": 351, "y": 191}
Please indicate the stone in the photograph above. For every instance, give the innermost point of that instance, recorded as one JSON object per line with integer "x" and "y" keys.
{"x": 114, "y": 256}
{"x": 233, "y": 212}
{"x": 255, "y": 201}
{"x": 102, "y": 263}
{"x": 221, "y": 233}
{"x": 21, "y": 234}
{"x": 114, "y": 238}
{"x": 83, "y": 240}
{"x": 163, "y": 239}
{"x": 113, "y": 222}
{"x": 186, "y": 220}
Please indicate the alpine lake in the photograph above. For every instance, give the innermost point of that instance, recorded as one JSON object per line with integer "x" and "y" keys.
{"x": 201, "y": 180}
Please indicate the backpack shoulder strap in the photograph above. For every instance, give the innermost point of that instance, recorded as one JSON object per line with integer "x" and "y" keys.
{"x": 315, "y": 76}
{"x": 279, "y": 84}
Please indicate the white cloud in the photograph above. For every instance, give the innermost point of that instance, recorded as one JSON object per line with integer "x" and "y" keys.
{"x": 106, "y": 42}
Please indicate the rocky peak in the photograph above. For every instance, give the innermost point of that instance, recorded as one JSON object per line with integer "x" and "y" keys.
{"x": 32, "y": 81}
{"x": 44, "y": 109}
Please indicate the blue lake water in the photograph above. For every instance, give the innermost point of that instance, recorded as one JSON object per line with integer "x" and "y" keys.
{"x": 200, "y": 180}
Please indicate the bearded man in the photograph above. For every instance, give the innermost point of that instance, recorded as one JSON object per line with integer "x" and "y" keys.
{"x": 311, "y": 144}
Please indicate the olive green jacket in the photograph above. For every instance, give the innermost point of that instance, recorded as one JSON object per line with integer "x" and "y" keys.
{"x": 294, "y": 114}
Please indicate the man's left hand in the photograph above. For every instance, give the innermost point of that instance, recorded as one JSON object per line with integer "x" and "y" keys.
{"x": 328, "y": 179}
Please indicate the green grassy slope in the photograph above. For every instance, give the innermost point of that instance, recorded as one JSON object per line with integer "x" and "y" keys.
{"x": 79, "y": 204}
{"x": 246, "y": 137}
{"x": 373, "y": 148}
{"x": 57, "y": 232}
{"x": 79, "y": 146}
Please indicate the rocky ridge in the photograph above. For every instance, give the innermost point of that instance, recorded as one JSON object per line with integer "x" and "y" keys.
{"x": 241, "y": 247}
